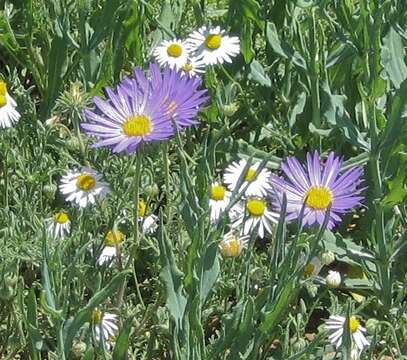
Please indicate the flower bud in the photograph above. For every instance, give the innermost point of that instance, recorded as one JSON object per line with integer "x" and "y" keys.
{"x": 372, "y": 325}
{"x": 327, "y": 258}
{"x": 49, "y": 191}
{"x": 333, "y": 279}
{"x": 230, "y": 109}
{"x": 78, "y": 349}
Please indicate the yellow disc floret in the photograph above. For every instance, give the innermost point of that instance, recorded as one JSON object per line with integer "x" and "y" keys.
{"x": 61, "y": 217}
{"x": 231, "y": 248}
{"x": 250, "y": 175}
{"x": 213, "y": 41}
{"x": 97, "y": 316}
{"x": 114, "y": 237}
{"x": 187, "y": 67}
{"x": 309, "y": 269}
{"x": 3, "y": 92}
{"x": 256, "y": 207}
{"x": 137, "y": 125}
{"x": 353, "y": 324}
{"x": 218, "y": 192}
{"x": 174, "y": 50}
{"x": 142, "y": 208}
{"x": 318, "y": 197}
{"x": 86, "y": 182}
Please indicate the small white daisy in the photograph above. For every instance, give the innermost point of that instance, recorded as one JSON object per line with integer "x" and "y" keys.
{"x": 313, "y": 267}
{"x": 104, "y": 325}
{"x": 336, "y": 324}
{"x": 333, "y": 279}
{"x": 255, "y": 213}
{"x": 173, "y": 53}
{"x": 257, "y": 182}
{"x": 8, "y": 113}
{"x": 59, "y": 225}
{"x": 213, "y": 46}
{"x": 148, "y": 222}
{"x": 109, "y": 252}
{"x": 232, "y": 244}
{"x": 193, "y": 67}
{"x": 82, "y": 187}
{"x": 218, "y": 201}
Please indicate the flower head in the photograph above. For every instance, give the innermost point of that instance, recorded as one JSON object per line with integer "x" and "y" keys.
{"x": 333, "y": 279}
{"x": 148, "y": 222}
{"x": 313, "y": 267}
{"x": 336, "y": 325}
{"x": 104, "y": 324}
{"x": 218, "y": 201}
{"x": 254, "y": 213}
{"x": 213, "y": 46}
{"x": 113, "y": 239}
{"x": 232, "y": 244}
{"x": 173, "y": 53}
{"x": 193, "y": 67}
{"x": 59, "y": 225}
{"x": 8, "y": 113}
{"x": 255, "y": 181}
{"x": 83, "y": 187}
{"x": 320, "y": 187}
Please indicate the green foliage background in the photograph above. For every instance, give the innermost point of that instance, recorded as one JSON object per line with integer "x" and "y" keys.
{"x": 325, "y": 75}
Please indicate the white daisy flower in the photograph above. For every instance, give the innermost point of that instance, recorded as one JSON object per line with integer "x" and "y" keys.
{"x": 109, "y": 252}
{"x": 336, "y": 324}
{"x": 82, "y": 187}
{"x": 313, "y": 267}
{"x": 104, "y": 325}
{"x": 148, "y": 222}
{"x": 257, "y": 182}
{"x": 213, "y": 46}
{"x": 193, "y": 67}
{"x": 333, "y": 279}
{"x": 232, "y": 244}
{"x": 8, "y": 113}
{"x": 59, "y": 225}
{"x": 173, "y": 53}
{"x": 218, "y": 201}
{"x": 255, "y": 213}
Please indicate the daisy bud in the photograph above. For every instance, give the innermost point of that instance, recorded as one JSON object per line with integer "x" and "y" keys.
{"x": 327, "y": 258}
{"x": 372, "y": 325}
{"x": 333, "y": 279}
{"x": 78, "y": 349}
{"x": 49, "y": 191}
{"x": 230, "y": 109}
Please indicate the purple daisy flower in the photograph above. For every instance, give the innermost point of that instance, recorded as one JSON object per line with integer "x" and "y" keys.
{"x": 132, "y": 115}
{"x": 182, "y": 97}
{"x": 318, "y": 186}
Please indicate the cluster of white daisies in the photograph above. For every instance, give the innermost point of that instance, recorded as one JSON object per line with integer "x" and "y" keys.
{"x": 205, "y": 47}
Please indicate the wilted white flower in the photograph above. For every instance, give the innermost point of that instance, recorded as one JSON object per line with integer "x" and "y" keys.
{"x": 59, "y": 225}
{"x": 233, "y": 244}
{"x": 104, "y": 325}
{"x": 113, "y": 239}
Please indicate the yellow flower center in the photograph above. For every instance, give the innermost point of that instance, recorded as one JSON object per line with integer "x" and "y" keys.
{"x": 187, "y": 67}
{"x": 137, "y": 125}
{"x": 231, "y": 248}
{"x": 250, "y": 175}
{"x": 85, "y": 182}
{"x": 218, "y": 192}
{"x": 353, "y": 324}
{"x": 213, "y": 41}
{"x": 318, "y": 197}
{"x": 3, "y": 92}
{"x": 174, "y": 50}
{"x": 114, "y": 238}
{"x": 61, "y": 217}
{"x": 172, "y": 107}
{"x": 97, "y": 316}
{"x": 142, "y": 208}
{"x": 256, "y": 207}
{"x": 309, "y": 269}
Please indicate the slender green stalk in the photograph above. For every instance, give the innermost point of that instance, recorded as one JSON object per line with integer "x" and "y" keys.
{"x": 313, "y": 67}
{"x": 166, "y": 166}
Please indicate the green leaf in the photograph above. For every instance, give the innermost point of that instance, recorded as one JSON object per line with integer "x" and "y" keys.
{"x": 122, "y": 342}
{"x": 392, "y": 57}
{"x": 210, "y": 270}
{"x": 258, "y": 74}
{"x": 84, "y": 315}
{"x": 246, "y": 46}
{"x": 297, "y": 109}
{"x": 34, "y": 334}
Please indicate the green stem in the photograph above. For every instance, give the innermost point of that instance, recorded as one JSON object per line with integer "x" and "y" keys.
{"x": 166, "y": 165}
{"x": 315, "y": 97}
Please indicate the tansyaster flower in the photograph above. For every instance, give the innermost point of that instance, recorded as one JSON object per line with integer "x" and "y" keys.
{"x": 254, "y": 213}
{"x": 213, "y": 46}
{"x": 59, "y": 225}
{"x": 233, "y": 244}
{"x": 318, "y": 186}
{"x": 257, "y": 182}
{"x": 183, "y": 98}
{"x": 173, "y": 53}
{"x": 133, "y": 114}
{"x": 8, "y": 113}
{"x": 218, "y": 201}
{"x": 83, "y": 187}
{"x": 336, "y": 325}
{"x": 104, "y": 325}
